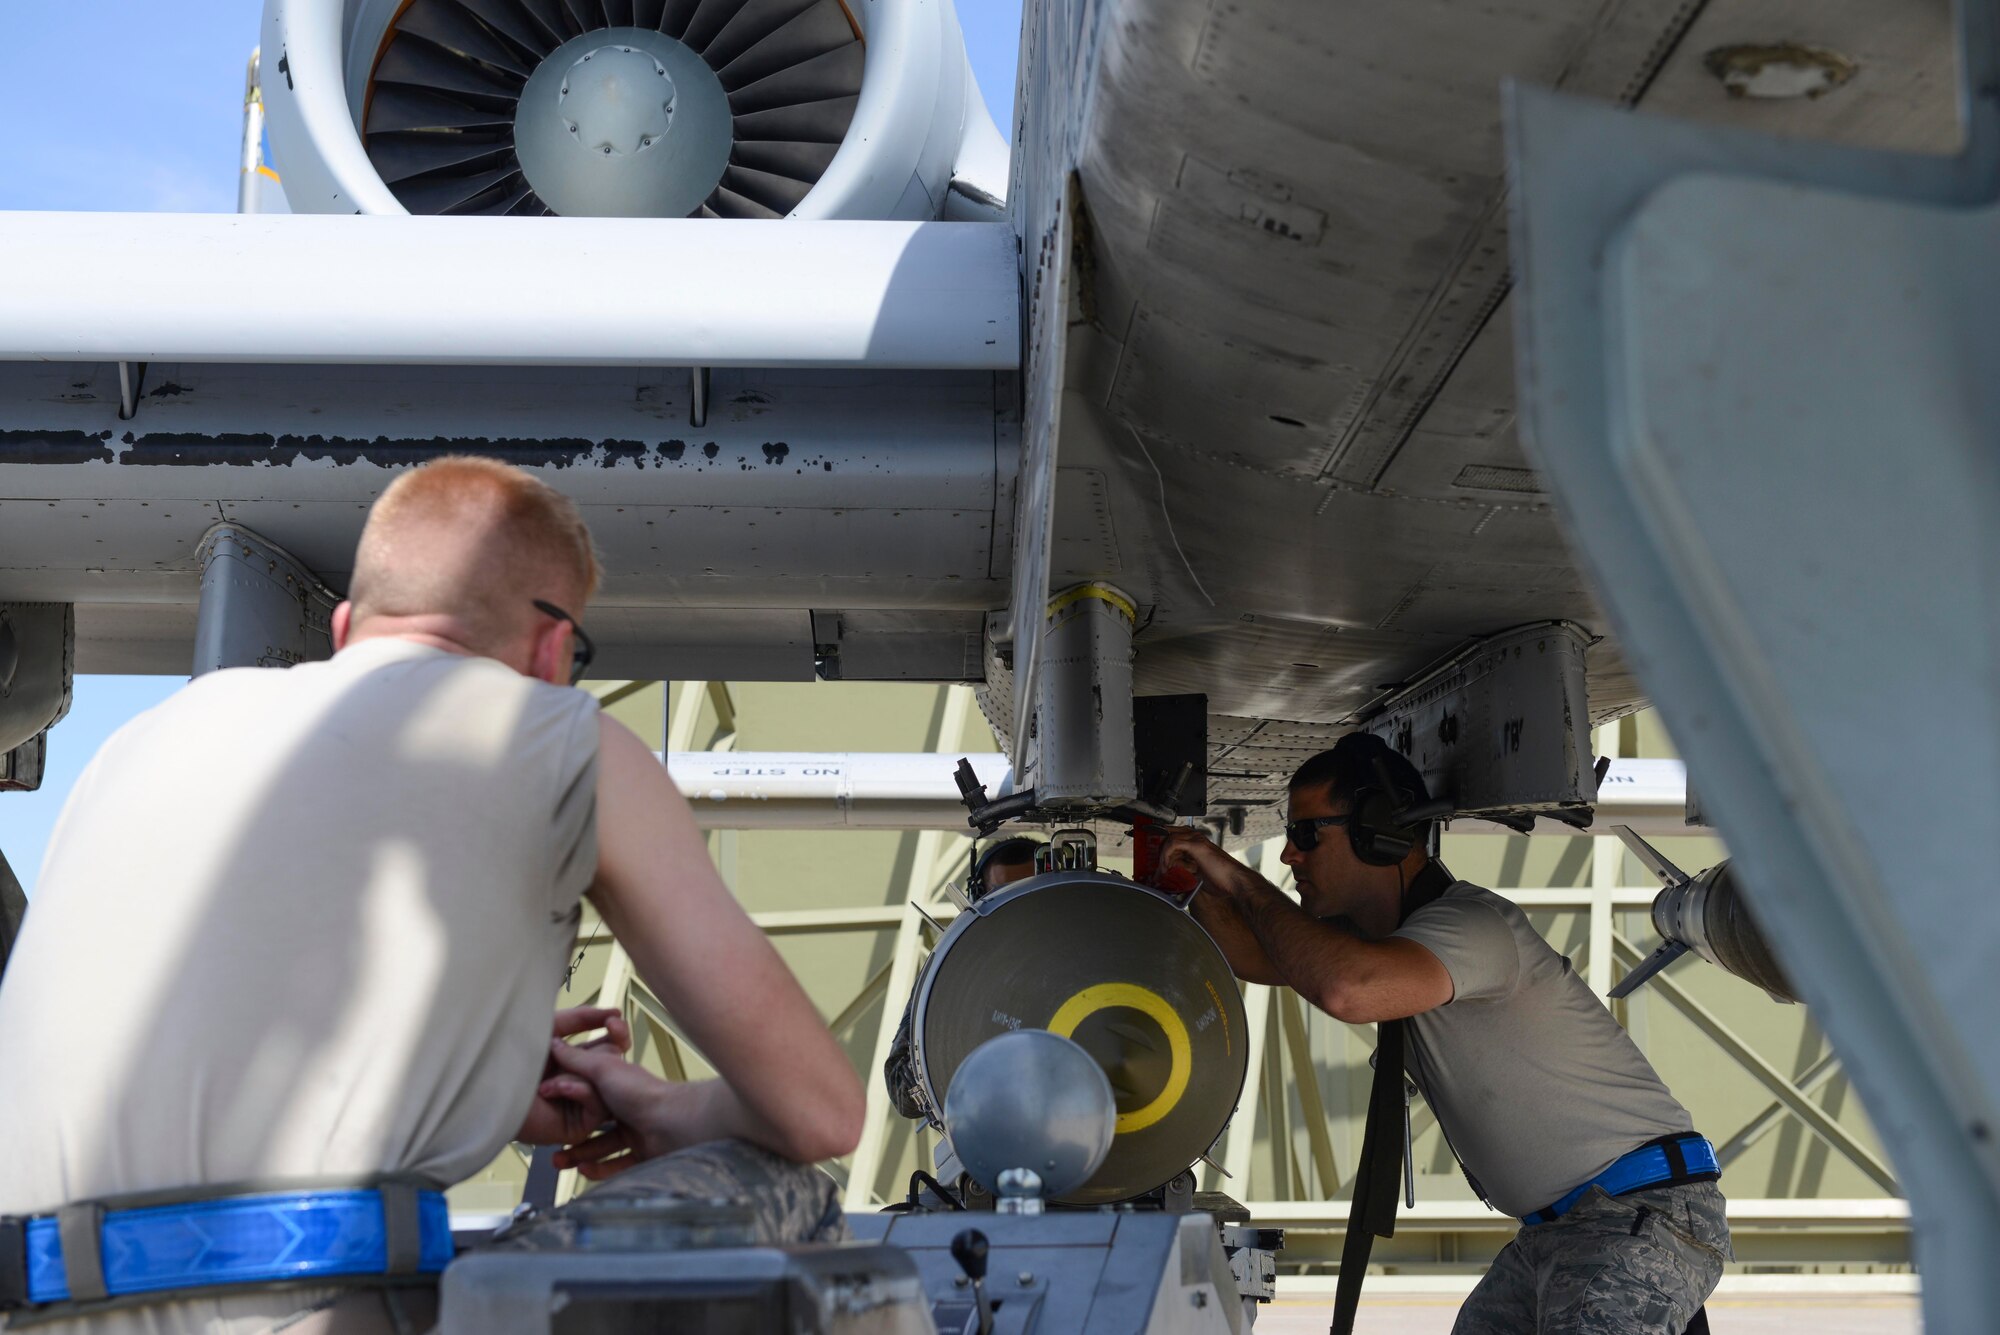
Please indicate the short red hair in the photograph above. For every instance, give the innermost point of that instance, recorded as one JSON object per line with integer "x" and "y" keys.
{"x": 474, "y": 539}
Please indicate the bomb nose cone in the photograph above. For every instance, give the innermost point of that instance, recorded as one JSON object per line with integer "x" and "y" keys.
{"x": 1030, "y": 1099}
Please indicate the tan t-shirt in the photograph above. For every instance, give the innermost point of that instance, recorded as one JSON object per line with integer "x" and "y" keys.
{"x": 1536, "y": 1086}
{"x": 297, "y": 923}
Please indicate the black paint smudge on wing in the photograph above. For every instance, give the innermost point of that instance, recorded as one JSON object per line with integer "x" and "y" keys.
{"x": 55, "y": 447}
{"x": 247, "y": 449}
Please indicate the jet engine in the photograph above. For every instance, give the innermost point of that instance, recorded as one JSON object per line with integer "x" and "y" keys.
{"x": 628, "y": 108}
{"x": 1705, "y": 913}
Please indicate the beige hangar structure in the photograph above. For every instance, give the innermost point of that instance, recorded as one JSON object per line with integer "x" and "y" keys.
{"x": 1813, "y": 1204}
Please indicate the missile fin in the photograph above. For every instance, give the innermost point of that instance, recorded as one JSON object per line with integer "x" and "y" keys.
{"x": 1655, "y": 861}
{"x": 1658, "y": 960}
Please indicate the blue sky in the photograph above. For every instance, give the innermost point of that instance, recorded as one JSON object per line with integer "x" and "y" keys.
{"x": 119, "y": 105}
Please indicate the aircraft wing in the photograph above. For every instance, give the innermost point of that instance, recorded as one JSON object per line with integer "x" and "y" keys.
{"x": 1231, "y": 335}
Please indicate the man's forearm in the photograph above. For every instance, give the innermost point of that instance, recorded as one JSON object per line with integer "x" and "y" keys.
{"x": 1218, "y": 914}
{"x": 1349, "y": 977}
{"x": 706, "y": 1110}
{"x": 1308, "y": 956}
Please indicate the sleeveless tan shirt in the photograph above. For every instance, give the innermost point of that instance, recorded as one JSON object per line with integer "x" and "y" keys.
{"x": 299, "y": 922}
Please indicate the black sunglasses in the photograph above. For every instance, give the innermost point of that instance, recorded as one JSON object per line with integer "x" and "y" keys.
{"x": 1304, "y": 834}
{"x": 581, "y": 650}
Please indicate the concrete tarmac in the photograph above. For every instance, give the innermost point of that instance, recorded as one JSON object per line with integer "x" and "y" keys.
{"x": 1748, "y": 1314}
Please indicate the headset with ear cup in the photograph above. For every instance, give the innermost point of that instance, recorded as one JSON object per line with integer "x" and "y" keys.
{"x": 1016, "y": 848}
{"x": 1372, "y": 829}
{"x": 1388, "y": 814}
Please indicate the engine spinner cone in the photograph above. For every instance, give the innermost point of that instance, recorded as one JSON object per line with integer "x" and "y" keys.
{"x": 623, "y": 123}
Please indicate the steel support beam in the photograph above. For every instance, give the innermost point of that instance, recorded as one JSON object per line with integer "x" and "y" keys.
{"x": 1790, "y": 1095}
{"x": 1754, "y": 1130}
{"x": 866, "y": 1167}
{"x": 1305, "y": 1078}
{"x": 921, "y": 906}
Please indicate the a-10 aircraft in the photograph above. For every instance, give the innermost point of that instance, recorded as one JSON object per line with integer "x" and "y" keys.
{"x": 1287, "y": 376}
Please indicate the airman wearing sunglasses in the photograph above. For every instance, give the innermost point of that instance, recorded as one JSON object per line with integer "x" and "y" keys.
{"x": 324, "y": 914}
{"x": 1556, "y": 1116}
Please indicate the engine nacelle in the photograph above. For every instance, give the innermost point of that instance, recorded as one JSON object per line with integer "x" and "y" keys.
{"x": 631, "y": 108}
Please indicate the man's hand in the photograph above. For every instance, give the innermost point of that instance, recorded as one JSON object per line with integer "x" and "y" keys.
{"x": 570, "y": 1118}
{"x": 1189, "y": 847}
{"x": 1213, "y": 904}
{"x": 652, "y": 1116}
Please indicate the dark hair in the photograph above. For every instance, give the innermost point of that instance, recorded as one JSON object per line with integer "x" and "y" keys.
{"x": 1352, "y": 765}
{"x": 1018, "y": 848}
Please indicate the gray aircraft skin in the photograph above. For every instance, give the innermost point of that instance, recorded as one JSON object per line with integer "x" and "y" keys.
{"x": 1299, "y": 311}
{"x": 1287, "y": 419}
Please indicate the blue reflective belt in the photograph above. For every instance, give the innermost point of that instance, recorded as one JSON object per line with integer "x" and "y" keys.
{"x": 258, "y": 1239}
{"x": 1646, "y": 1167}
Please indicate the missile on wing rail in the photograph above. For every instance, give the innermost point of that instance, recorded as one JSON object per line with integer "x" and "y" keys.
{"x": 1708, "y": 914}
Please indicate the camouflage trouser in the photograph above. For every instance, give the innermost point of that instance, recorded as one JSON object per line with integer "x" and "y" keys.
{"x": 1634, "y": 1265}
{"x": 788, "y": 1202}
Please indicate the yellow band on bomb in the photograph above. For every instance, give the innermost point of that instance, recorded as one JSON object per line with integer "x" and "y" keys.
{"x": 1102, "y": 996}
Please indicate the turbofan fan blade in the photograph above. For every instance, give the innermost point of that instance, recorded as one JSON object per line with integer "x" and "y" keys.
{"x": 399, "y": 157}
{"x": 710, "y": 18}
{"x": 1658, "y": 960}
{"x": 451, "y": 194}
{"x": 801, "y": 162}
{"x": 552, "y": 18}
{"x": 395, "y": 107}
{"x": 585, "y": 15}
{"x": 779, "y": 193}
{"x": 729, "y": 204}
{"x": 835, "y": 74}
{"x": 510, "y": 21}
{"x": 809, "y": 123}
{"x": 748, "y": 26}
{"x": 422, "y": 65}
{"x": 508, "y": 200}
{"x": 676, "y": 15}
{"x": 443, "y": 23}
{"x": 812, "y": 32}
